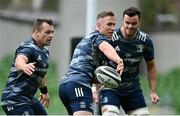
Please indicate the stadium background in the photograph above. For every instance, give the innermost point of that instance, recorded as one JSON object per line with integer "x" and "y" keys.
{"x": 159, "y": 18}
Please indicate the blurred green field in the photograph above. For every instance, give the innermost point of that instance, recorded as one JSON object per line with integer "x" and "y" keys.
{"x": 168, "y": 87}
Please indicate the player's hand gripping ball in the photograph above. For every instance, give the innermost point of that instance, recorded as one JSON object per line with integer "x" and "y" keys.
{"x": 107, "y": 76}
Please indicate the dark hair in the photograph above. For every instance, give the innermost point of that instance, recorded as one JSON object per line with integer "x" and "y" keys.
{"x": 105, "y": 14}
{"x": 132, "y": 11}
{"x": 38, "y": 23}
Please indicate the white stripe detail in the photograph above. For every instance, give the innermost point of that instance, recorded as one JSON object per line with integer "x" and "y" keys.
{"x": 115, "y": 36}
{"x": 76, "y": 92}
{"x": 81, "y": 91}
{"x": 142, "y": 36}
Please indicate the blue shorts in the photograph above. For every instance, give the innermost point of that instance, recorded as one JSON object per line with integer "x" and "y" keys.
{"x": 128, "y": 101}
{"x": 25, "y": 109}
{"x": 76, "y": 97}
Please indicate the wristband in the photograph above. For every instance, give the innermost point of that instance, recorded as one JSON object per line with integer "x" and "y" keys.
{"x": 94, "y": 89}
{"x": 44, "y": 90}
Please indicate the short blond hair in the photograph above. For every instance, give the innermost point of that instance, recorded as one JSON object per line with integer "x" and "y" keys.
{"x": 105, "y": 14}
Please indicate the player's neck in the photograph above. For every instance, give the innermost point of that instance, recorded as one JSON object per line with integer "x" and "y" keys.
{"x": 38, "y": 43}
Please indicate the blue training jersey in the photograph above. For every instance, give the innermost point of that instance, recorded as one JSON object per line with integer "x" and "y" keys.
{"x": 132, "y": 52}
{"x": 85, "y": 59}
{"x": 21, "y": 88}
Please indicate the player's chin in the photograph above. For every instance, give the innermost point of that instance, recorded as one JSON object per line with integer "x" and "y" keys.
{"x": 48, "y": 43}
{"x": 130, "y": 32}
{"x": 110, "y": 36}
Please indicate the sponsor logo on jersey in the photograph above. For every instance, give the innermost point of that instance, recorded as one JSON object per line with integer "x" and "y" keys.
{"x": 133, "y": 60}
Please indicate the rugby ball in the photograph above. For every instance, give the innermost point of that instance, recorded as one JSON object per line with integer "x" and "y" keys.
{"x": 107, "y": 76}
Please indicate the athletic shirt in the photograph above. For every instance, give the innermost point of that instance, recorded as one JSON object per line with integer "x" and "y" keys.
{"x": 85, "y": 59}
{"x": 132, "y": 52}
{"x": 21, "y": 88}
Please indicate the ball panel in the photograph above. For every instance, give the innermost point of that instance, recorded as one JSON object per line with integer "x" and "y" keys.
{"x": 107, "y": 76}
{"x": 106, "y": 80}
{"x": 110, "y": 72}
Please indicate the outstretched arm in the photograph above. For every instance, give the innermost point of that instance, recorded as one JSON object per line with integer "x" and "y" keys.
{"x": 152, "y": 78}
{"x": 22, "y": 65}
{"x": 110, "y": 52}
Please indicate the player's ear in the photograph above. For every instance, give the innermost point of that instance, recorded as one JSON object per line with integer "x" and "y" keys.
{"x": 36, "y": 32}
{"x": 97, "y": 24}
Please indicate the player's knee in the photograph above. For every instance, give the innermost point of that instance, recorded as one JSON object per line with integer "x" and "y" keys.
{"x": 110, "y": 110}
{"x": 139, "y": 111}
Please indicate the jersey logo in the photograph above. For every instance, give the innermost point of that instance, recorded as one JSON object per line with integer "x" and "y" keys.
{"x": 139, "y": 48}
{"x": 117, "y": 48}
{"x": 105, "y": 100}
{"x": 10, "y": 108}
{"x": 79, "y": 92}
{"x": 39, "y": 58}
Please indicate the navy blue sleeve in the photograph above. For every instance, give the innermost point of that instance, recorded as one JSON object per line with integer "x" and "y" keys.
{"x": 149, "y": 50}
{"x": 98, "y": 40}
{"x": 26, "y": 51}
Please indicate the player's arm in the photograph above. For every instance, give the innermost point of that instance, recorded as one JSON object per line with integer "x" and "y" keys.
{"x": 44, "y": 96}
{"x": 152, "y": 78}
{"x": 21, "y": 65}
{"x": 110, "y": 52}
